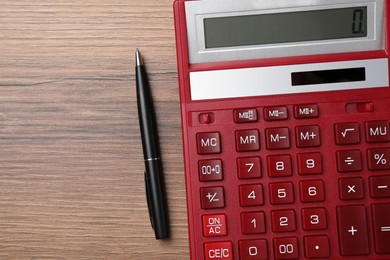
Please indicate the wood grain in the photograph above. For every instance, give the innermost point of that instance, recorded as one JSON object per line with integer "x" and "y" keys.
{"x": 71, "y": 168}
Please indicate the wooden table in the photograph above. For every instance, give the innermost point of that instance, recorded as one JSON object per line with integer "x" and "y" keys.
{"x": 71, "y": 166}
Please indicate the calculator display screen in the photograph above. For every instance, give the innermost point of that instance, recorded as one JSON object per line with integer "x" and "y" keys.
{"x": 273, "y": 28}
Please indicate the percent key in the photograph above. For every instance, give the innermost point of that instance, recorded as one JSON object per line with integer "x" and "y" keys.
{"x": 378, "y": 158}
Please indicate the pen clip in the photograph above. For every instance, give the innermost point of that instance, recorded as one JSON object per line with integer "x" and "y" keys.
{"x": 148, "y": 199}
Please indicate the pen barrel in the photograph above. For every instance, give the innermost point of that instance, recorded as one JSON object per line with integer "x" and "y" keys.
{"x": 156, "y": 199}
{"x": 146, "y": 115}
{"x": 153, "y": 169}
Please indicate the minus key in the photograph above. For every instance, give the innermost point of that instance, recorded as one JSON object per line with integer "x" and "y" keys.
{"x": 380, "y": 186}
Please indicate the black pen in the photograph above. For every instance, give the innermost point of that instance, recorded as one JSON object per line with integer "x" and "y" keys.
{"x": 155, "y": 192}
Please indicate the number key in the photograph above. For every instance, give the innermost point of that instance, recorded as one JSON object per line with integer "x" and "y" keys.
{"x": 281, "y": 193}
{"x": 314, "y": 218}
{"x": 286, "y": 248}
{"x": 283, "y": 220}
{"x": 253, "y": 222}
{"x": 249, "y": 167}
{"x": 309, "y": 163}
{"x": 251, "y": 195}
{"x": 312, "y": 191}
{"x": 279, "y": 165}
{"x": 253, "y": 249}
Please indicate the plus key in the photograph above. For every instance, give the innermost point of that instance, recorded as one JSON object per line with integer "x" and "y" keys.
{"x": 352, "y": 229}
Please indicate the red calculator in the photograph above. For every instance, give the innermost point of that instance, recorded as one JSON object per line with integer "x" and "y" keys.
{"x": 285, "y": 111}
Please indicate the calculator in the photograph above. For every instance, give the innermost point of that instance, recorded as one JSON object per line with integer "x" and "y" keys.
{"x": 285, "y": 110}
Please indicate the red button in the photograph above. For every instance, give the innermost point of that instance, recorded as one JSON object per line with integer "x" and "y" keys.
{"x": 245, "y": 115}
{"x": 306, "y": 111}
{"x": 380, "y": 186}
{"x": 349, "y": 161}
{"x": 377, "y": 131}
{"x": 279, "y": 165}
{"x": 206, "y": 118}
{"x": 253, "y": 222}
{"x": 219, "y": 250}
{"x": 255, "y": 249}
{"x": 286, "y": 248}
{"x": 365, "y": 107}
{"x": 309, "y": 163}
{"x": 312, "y": 191}
{"x": 247, "y": 140}
{"x": 308, "y": 136}
{"x": 378, "y": 158}
{"x": 208, "y": 143}
{"x": 214, "y": 225}
{"x": 281, "y": 193}
{"x": 251, "y": 195}
{"x": 351, "y": 188}
{"x": 380, "y": 214}
{"x": 347, "y": 133}
{"x": 316, "y": 246}
{"x": 283, "y": 220}
{"x": 210, "y": 170}
{"x": 212, "y": 197}
{"x": 249, "y": 167}
{"x": 352, "y": 229}
{"x": 277, "y": 138}
{"x": 275, "y": 113}
{"x": 314, "y": 219}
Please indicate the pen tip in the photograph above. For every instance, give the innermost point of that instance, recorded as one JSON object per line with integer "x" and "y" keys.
{"x": 138, "y": 58}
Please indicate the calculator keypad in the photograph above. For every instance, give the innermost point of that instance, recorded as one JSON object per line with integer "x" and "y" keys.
{"x": 278, "y": 176}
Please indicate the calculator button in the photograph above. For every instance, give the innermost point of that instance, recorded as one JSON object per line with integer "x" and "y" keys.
{"x": 206, "y": 118}
{"x": 352, "y": 229}
{"x": 308, "y": 136}
{"x": 314, "y": 219}
{"x": 380, "y": 186}
{"x": 283, "y": 220}
{"x": 377, "y": 131}
{"x": 312, "y": 191}
{"x": 245, "y": 115}
{"x": 214, "y": 225}
{"x": 351, "y": 188}
{"x": 309, "y": 163}
{"x": 219, "y": 250}
{"x": 378, "y": 158}
{"x": 208, "y": 143}
{"x": 249, "y": 167}
{"x": 306, "y": 111}
{"x": 251, "y": 195}
{"x": 277, "y": 138}
{"x": 381, "y": 221}
{"x": 279, "y": 165}
{"x": 253, "y": 222}
{"x": 286, "y": 248}
{"x": 281, "y": 193}
{"x": 210, "y": 170}
{"x": 316, "y": 246}
{"x": 247, "y": 140}
{"x": 347, "y": 133}
{"x": 212, "y": 197}
{"x": 359, "y": 107}
{"x": 255, "y": 249}
{"x": 349, "y": 161}
{"x": 275, "y": 113}
{"x": 365, "y": 107}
